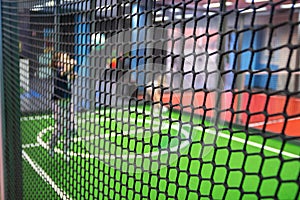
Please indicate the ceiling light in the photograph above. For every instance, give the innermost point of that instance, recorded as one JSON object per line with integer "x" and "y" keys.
{"x": 49, "y": 3}
{"x": 107, "y": 7}
{"x": 175, "y": 10}
{"x": 255, "y": 1}
{"x": 36, "y": 9}
{"x": 127, "y": 4}
{"x": 297, "y": 5}
{"x": 159, "y": 12}
{"x": 159, "y": 19}
{"x": 216, "y": 5}
{"x": 178, "y": 16}
{"x": 188, "y": 15}
{"x": 178, "y": 10}
{"x": 185, "y": 16}
{"x": 209, "y": 13}
{"x": 252, "y": 10}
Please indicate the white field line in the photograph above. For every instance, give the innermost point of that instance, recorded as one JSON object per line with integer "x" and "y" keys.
{"x": 176, "y": 148}
{"x": 45, "y": 176}
{"x": 185, "y": 143}
{"x": 41, "y": 117}
{"x": 250, "y": 143}
{"x": 79, "y": 115}
{"x": 271, "y": 122}
{"x": 26, "y": 146}
{"x": 38, "y": 117}
{"x": 109, "y": 156}
{"x": 64, "y": 196}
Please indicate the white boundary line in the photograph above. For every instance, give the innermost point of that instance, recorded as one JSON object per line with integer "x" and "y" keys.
{"x": 78, "y": 115}
{"x": 176, "y": 148}
{"x": 38, "y": 117}
{"x": 26, "y": 146}
{"x": 102, "y": 112}
{"x": 240, "y": 140}
{"x": 272, "y": 122}
{"x": 63, "y": 194}
{"x": 109, "y": 156}
{"x": 250, "y": 143}
{"x": 39, "y": 170}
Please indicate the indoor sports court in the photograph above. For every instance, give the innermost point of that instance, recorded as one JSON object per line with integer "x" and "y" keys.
{"x": 160, "y": 99}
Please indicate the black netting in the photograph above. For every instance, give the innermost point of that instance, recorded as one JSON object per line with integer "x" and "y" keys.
{"x": 114, "y": 99}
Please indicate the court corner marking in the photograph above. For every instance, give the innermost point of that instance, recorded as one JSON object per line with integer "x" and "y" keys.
{"x": 39, "y": 170}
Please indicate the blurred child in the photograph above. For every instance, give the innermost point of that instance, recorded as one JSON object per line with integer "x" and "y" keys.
{"x": 63, "y": 108}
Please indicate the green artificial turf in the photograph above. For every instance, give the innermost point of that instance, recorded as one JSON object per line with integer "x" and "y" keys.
{"x": 131, "y": 154}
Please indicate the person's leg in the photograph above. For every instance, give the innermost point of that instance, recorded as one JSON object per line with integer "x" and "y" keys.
{"x": 57, "y": 125}
{"x": 74, "y": 106}
{"x": 70, "y": 119}
{"x": 73, "y": 120}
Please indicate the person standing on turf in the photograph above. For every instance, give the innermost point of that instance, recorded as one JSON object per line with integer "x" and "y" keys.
{"x": 63, "y": 108}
